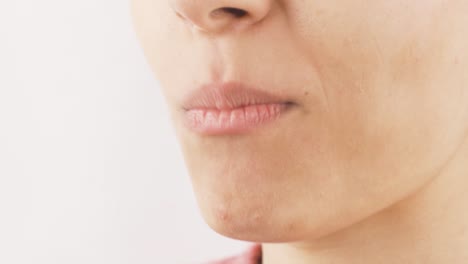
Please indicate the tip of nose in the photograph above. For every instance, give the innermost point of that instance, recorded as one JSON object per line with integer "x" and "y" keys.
{"x": 221, "y": 19}
{"x": 214, "y": 17}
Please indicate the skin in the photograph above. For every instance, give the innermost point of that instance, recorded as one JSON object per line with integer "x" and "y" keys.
{"x": 371, "y": 164}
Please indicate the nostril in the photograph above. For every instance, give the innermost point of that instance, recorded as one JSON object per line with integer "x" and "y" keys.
{"x": 238, "y": 13}
{"x": 235, "y": 11}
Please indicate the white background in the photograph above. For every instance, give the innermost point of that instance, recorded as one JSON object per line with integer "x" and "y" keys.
{"x": 90, "y": 170}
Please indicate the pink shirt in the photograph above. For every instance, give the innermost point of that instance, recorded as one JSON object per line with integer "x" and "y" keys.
{"x": 251, "y": 256}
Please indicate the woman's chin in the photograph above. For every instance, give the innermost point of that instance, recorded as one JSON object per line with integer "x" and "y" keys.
{"x": 242, "y": 225}
{"x": 252, "y": 221}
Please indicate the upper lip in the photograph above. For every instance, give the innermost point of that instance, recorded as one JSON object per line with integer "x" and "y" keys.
{"x": 229, "y": 95}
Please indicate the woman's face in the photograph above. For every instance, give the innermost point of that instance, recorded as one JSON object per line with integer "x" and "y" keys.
{"x": 380, "y": 96}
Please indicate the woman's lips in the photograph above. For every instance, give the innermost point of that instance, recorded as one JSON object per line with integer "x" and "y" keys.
{"x": 231, "y": 108}
{"x": 232, "y": 121}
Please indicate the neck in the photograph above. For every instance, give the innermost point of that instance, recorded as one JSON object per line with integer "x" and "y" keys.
{"x": 430, "y": 226}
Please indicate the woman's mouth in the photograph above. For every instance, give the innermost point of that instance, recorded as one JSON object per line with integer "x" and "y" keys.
{"x": 231, "y": 108}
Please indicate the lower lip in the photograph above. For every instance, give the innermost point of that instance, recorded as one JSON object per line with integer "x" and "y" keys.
{"x": 233, "y": 121}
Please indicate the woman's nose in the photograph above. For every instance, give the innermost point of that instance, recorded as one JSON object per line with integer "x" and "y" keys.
{"x": 217, "y": 15}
